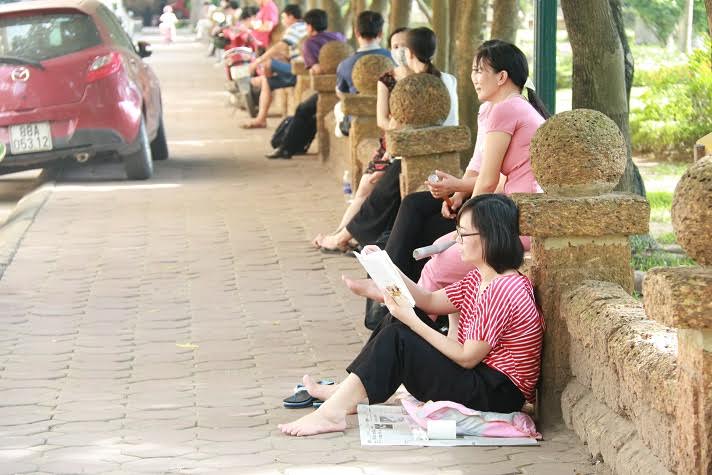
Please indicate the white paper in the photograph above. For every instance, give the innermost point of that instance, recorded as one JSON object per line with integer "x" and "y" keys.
{"x": 441, "y": 430}
{"x": 386, "y": 276}
{"x": 381, "y": 425}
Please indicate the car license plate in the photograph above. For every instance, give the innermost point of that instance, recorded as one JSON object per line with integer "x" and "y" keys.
{"x": 239, "y": 72}
{"x": 29, "y": 138}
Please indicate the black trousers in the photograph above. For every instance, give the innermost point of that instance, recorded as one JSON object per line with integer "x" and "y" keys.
{"x": 379, "y": 210}
{"x": 302, "y": 130}
{"x": 419, "y": 222}
{"x": 396, "y": 355}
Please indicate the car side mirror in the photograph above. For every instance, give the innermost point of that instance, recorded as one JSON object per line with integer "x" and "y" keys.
{"x": 143, "y": 50}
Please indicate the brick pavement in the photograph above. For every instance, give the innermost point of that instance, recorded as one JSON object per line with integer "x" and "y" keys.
{"x": 155, "y": 327}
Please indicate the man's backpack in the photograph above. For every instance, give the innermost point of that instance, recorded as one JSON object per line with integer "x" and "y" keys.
{"x": 281, "y": 132}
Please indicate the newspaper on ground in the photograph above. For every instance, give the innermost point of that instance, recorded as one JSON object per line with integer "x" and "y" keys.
{"x": 382, "y": 425}
{"x": 386, "y": 276}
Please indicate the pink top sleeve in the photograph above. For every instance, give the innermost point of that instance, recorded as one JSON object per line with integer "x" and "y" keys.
{"x": 494, "y": 317}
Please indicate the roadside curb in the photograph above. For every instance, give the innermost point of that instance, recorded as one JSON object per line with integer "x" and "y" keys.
{"x": 14, "y": 229}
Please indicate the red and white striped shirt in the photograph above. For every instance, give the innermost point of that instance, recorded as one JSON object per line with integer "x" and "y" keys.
{"x": 505, "y": 316}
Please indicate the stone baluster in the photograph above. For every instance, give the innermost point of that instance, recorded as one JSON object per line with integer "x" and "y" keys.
{"x": 420, "y": 103}
{"x": 679, "y": 297}
{"x": 300, "y": 70}
{"x": 364, "y": 133}
{"x": 580, "y": 229}
{"x": 330, "y": 55}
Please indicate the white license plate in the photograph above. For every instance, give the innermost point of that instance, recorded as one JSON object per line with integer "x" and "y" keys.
{"x": 238, "y": 72}
{"x": 29, "y": 138}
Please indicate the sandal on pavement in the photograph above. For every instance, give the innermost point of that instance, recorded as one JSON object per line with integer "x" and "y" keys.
{"x": 253, "y": 125}
{"x": 301, "y": 398}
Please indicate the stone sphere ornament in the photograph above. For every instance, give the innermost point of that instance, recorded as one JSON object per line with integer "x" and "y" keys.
{"x": 692, "y": 211}
{"x": 578, "y": 152}
{"x": 367, "y": 70}
{"x": 331, "y": 54}
{"x": 420, "y": 100}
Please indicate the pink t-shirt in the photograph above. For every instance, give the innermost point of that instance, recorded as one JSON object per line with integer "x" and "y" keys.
{"x": 269, "y": 12}
{"x": 516, "y": 117}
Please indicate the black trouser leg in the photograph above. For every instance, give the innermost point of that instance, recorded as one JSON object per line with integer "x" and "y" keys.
{"x": 397, "y": 355}
{"x": 419, "y": 222}
{"x": 379, "y": 210}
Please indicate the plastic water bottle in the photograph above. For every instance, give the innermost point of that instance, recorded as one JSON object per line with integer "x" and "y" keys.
{"x": 346, "y": 184}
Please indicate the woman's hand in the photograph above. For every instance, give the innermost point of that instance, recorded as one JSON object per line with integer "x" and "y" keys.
{"x": 404, "y": 314}
{"x": 450, "y": 212}
{"x": 375, "y": 176}
{"x": 447, "y": 185}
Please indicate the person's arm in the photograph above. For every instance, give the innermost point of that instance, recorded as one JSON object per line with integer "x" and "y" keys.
{"x": 453, "y": 321}
{"x": 280, "y": 48}
{"x": 467, "y": 355}
{"x": 383, "y": 112}
{"x": 496, "y": 144}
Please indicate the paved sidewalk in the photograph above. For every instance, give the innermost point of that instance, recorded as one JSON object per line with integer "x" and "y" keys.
{"x": 156, "y": 326}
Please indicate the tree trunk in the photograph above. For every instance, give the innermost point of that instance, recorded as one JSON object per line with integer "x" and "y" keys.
{"x": 379, "y": 6}
{"x": 505, "y": 20}
{"x": 333, "y": 11}
{"x": 631, "y": 180}
{"x": 400, "y": 14}
{"x": 441, "y": 26}
{"x": 467, "y": 38}
{"x": 686, "y": 27}
{"x": 453, "y": 12}
{"x": 708, "y": 6}
{"x": 599, "y": 70}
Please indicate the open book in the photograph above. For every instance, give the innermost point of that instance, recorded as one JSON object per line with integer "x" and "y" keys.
{"x": 386, "y": 276}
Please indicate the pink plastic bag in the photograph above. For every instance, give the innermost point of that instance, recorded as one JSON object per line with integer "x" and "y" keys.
{"x": 469, "y": 421}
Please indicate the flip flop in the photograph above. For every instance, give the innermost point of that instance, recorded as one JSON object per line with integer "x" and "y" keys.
{"x": 252, "y": 125}
{"x": 301, "y": 398}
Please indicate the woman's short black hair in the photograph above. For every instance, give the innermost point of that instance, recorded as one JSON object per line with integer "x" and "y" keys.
{"x": 317, "y": 19}
{"x": 496, "y": 218}
{"x": 369, "y": 24}
{"x": 395, "y": 32}
{"x": 294, "y": 11}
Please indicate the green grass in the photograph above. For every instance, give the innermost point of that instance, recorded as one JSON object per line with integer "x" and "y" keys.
{"x": 660, "y": 205}
{"x": 666, "y": 238}
{"x": 646, "y": 261}
{"x": 665, "y": 169}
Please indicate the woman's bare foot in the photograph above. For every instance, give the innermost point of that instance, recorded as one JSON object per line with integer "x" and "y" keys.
{"x": 364, "y": 288}
{"x": 319, "y": 391}
{"x": 318, "y": 422}
{"x": 331, "y": 242}
{"x": 316, "y": 242}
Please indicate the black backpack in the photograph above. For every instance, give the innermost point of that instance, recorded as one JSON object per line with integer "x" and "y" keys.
{"x": 281, "y": 132}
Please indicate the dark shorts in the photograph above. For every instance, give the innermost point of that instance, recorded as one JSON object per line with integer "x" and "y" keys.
{"x": 282, "y": 75}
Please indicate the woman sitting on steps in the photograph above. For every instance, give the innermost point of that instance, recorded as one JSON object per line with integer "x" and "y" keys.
{"x": 489, "y": 361}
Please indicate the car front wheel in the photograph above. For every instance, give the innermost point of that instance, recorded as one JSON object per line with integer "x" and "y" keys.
{"x": 159, "y": 146}
{"x": 139, "y": 164}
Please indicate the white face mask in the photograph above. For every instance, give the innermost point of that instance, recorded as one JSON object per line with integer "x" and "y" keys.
{"x": 398, "y": 56}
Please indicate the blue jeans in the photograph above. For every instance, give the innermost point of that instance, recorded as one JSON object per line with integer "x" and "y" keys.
{"x": 281, "y": 75}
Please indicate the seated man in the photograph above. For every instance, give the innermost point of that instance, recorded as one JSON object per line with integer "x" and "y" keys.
{"x": 277, "y": 67}
{"x": 369, "y": 32}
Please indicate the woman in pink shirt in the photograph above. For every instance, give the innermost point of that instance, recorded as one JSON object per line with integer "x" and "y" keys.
{"x": 509, "y": 116}
{"x": 265, "y": 21}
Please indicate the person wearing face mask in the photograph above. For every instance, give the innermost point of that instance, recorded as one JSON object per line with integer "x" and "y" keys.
{"x": 378, "y": 197}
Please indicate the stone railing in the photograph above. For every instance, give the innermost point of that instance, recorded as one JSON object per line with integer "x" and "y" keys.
{"x": 634, "y": 384}
{"x": 302, "y": 87}
{"x": 418, "y": 103}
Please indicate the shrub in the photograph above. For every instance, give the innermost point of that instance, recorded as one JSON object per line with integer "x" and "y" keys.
{"x": 677, "y": 108}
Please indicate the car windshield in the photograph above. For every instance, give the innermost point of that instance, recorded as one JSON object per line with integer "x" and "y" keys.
{"x": 46, "y": 36}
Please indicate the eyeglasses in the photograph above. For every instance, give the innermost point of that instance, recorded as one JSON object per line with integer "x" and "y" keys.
{"x": 460, "y": 235}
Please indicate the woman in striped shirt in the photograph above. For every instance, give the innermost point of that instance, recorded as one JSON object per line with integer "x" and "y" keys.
{"x": 491, "y": 359}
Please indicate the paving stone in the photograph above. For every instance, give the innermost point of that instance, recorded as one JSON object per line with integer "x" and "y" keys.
{"x": 12, "y": 467}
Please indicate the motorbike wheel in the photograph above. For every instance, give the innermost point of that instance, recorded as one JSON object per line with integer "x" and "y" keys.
{"x": 159, "y": 146}
{"x": 139, "y": 164}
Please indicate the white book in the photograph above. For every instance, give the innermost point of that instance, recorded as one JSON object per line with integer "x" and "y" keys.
{"x": 386, "y": 276}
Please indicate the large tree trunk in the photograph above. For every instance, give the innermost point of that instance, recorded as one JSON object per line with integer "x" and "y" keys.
{"x": 379, "y": 6}
{"x": 599, "y": 71}
{"x": 400, "y": 14}
{"x": 333, "y": 10}
{"x": 708, "y": 6}
{"x": 631, "y": 180}
{"x": 441, "y": 26}
{"x": 467, "y": 39}
{"x": 505, "y": 20}
{"x": 453, "y": 12}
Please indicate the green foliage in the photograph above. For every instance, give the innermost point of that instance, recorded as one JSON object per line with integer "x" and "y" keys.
{"x": 646, "y": 254}
{"x": 662, "y": 16}
{"x": 677, "y": 108}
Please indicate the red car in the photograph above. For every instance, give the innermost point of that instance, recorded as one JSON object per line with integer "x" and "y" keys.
{"x": 72, "y": 85}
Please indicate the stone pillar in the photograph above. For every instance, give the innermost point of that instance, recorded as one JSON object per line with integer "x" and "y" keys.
{"x": 420, "y": 103}
{"x": 330, "y": 55}
{"x": 680, "y": 298}
{"x": 302, "y": 85}
{"x": 580, "y": 229}
{"x": 362, "y": 109}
